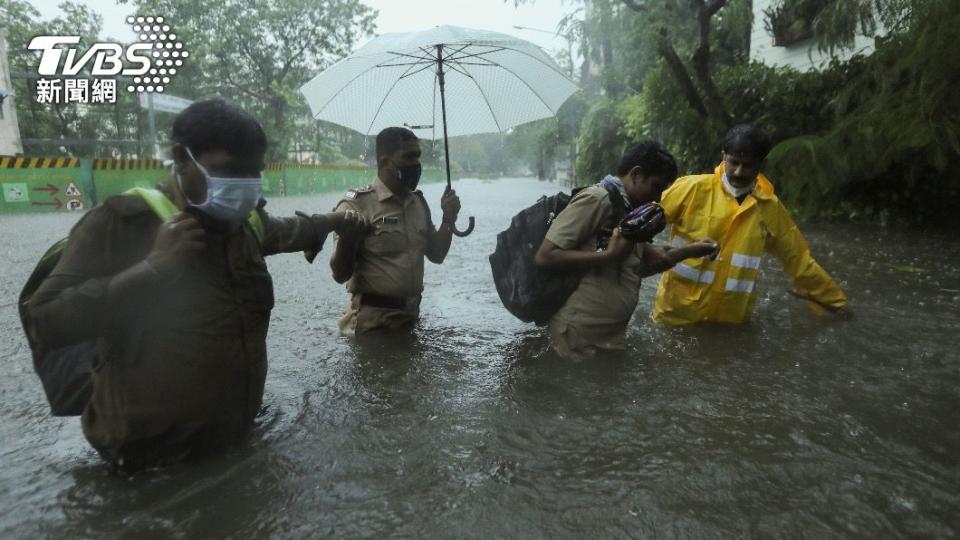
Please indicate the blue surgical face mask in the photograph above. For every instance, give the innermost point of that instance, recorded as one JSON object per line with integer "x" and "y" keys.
{"x": 228, "y": 199}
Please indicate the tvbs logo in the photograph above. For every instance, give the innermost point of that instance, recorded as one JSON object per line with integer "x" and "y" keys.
{"x": 107, "y": 57}
{"x": 150, "y": 62}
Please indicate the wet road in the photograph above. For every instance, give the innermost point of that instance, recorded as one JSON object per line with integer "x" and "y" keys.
{"x": 792, "y": 426}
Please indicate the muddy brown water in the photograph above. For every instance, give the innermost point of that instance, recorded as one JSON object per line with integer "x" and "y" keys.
{"x": 792, "y": 426}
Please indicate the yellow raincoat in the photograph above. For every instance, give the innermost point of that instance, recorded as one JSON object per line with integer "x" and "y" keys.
{"x": 724, "y": 290}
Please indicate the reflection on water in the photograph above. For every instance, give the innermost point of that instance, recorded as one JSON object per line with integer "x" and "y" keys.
{"x": 789, "y": 426}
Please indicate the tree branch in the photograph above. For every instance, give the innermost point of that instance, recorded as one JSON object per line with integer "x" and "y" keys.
{"x": 701, "y": 63}
{"x": 244, "y": 89}
{"x": 681, "y": 75}
{"x": 714, "y": 7}
{"x": 636, "y": 6}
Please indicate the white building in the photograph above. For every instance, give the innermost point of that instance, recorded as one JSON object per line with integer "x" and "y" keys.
{"x": 802, "y": 54}
{"x": 9, "y": 128}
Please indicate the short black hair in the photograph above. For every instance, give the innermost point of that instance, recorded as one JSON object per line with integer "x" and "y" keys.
{"x": 391, "y": 139}
{"x": 652, "y": 158}
{"x": 217, "y": 124}
{"x": 748, "y": 140}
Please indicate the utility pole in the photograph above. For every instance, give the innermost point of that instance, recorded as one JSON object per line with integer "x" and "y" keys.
{"x": 152, "y": 123}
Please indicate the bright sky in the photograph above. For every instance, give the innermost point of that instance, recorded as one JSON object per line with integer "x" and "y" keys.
{"x": 403, "y": 16}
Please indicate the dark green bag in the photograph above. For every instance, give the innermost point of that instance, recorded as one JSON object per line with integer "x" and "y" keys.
{"x": 65, "y": 372}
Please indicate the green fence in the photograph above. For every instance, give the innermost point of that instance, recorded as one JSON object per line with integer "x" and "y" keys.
{"x": 45, "y": 184}
{"x": 70, "y": 184}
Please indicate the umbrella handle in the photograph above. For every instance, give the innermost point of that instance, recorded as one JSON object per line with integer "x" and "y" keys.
{"x": 467, "y": 232}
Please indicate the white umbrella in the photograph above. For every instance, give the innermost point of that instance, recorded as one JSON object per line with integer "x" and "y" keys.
{"x": 492, "y": 81}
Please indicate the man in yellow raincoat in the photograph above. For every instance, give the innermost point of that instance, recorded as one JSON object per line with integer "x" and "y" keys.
{"x": 735, "y": 206}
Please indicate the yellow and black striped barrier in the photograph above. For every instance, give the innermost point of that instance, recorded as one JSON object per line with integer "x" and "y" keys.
{"x": 126, "y": 164}
{"x": 15, "y": 162}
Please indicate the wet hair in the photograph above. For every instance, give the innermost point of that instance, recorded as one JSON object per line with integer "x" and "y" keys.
{"x": 391, "y": 139}
{"x": 749, "y": 141}
{"x": 217, "y": 124}
{"x": 652, "y": 158}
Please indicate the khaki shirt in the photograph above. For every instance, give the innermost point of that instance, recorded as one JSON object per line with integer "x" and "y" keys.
{"x": 597, "y": 313}
{"x": 389, "y": 259}
{"x": 182, "y": 362}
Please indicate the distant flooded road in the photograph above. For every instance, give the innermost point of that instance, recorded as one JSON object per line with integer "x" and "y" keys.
{"x": 792, "y": 426}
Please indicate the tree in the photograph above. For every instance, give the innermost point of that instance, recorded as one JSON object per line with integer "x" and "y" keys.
{"x": 59, "y": 121}
{"x": 703, "y": 96}
{"x": 260, "y": 52}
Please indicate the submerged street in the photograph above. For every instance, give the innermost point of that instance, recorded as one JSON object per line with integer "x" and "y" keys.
{"x": 790, "y": 426}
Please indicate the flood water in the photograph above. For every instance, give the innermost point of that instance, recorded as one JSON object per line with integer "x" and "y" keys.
{"x": 792, "y": 426}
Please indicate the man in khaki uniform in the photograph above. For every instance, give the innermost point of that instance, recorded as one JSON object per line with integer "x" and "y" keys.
{"x": 596, "y": 314}
{"x": 383, "y": 265}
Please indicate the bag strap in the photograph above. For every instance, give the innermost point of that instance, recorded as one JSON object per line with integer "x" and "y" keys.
{"x": 165, "y": 209}
{"x": 256, "y": 225}
{"x": 156, "y": 200}
{"x": 618, "y": 207}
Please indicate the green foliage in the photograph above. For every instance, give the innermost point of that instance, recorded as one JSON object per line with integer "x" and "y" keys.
{"x": 602, "y": 140}
{"x": 895, "y": 147}
{"x": 658, "y": 113}
{"x": 789, "y": 21}
{"x": 255, "y": 53}
{"x": 57, "y": 120}
{"x": 259, "y": 54}
{"x": 835, "y": 23}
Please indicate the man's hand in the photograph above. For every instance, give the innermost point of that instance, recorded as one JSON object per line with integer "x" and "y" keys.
{"x": 176, "y": 241}
{"x": 656, "y": 260}
{"x": 450, "y": 204}
{"x": 619, "y": 247}
{"x": 349, "y": 224}
{"x": 705, "y": 248}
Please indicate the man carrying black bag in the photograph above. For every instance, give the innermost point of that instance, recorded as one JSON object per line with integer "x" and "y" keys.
{"x": 612, "y": 255}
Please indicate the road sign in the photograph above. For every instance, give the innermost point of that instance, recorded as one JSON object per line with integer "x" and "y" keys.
{"x": 72, "y": 190}
{"x": 164, "y": 102}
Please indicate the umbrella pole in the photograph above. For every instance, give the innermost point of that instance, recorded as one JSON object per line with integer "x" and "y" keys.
{"x": 446, "y": 146}
{"x": 443, "y": 109}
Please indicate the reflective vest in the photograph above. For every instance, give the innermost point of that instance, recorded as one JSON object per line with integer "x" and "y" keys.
{"x": 724, "y": 290}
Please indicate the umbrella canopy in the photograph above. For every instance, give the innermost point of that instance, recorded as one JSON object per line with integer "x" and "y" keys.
{"x": 493, "y": 82}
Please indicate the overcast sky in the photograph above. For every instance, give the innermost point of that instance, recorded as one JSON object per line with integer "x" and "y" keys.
{"x": 401, "y": 16}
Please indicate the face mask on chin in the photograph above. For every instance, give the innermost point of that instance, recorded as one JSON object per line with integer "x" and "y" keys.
{"x": 738, "y": 192}
{"x": 409, "y": 176}
{"x": 228, "y": 199}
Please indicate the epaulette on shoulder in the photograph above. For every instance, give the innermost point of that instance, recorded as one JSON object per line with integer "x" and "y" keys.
{"x": 353, "y": 193}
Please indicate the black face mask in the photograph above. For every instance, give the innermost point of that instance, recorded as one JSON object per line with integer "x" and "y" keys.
{"x": 409, "y": 176}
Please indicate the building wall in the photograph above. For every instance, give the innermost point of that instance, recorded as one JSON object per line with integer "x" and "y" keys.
{"x": 803, "y": 55}
{"x": 9, "y": 128}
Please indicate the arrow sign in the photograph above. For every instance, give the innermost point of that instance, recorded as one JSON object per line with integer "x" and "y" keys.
{"x": 56, "y": 204}
{"x": 51, "y": 189}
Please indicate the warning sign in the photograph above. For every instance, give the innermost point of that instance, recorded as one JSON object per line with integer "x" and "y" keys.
{"x": 74, "y": 204}
{"x": 72, "y": 191}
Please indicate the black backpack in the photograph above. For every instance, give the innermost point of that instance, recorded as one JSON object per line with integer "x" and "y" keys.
{"x": 532, "y": 294}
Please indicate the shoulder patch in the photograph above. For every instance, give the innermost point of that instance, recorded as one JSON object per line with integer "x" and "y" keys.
{"x": 352, "y": 193}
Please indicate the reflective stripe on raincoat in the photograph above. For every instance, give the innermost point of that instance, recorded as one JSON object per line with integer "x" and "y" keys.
{"x": 724, "y": 290}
